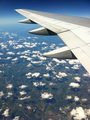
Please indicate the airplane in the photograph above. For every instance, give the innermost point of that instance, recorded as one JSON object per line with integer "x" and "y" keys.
{"x": 74, "y": 31}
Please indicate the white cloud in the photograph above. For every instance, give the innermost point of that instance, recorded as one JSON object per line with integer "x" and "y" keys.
{"x": 69, "y": 97}
{"x": 9, "y": 94}
{"x": 18, "y": 46}
{"x": 45, "y": 95}
{"x": 26, "y": 52}
{"x": 38, "y": 52}
{"x": 14, "y": 34}
{"x": 10, "y": 37}
{"x": 84, "y": 99}
{"x": 75, "y": 67}
{"x": 38, "y": 84}
{"x": 62, "y": 110}
{"x": 29, "y": 37}
{"x": 23, "y": 56}
{"x": 27, "y": 97}
{"x": 52, "y": 83}
{"x": 32, "y": 74}
{"x": 9, "y": 86}
{"x": 22, "y": 86}
{"x": 12, "y": 42}
{"x": 86, "y": 75}
{"x": 3, "y": 46}
{"x": 77, "y": 79}
{"x": 29, "y": 59}
{"x": 36, "y": 62}
{"x": 28, "y": 107}
{"x": 42, "y": 58}
{"x": 6, "y": 113}
{"x": 44, "y": 43}
{"x": 1, "y": 94}
{"x": 60, "y": 75}
{"x": 71, "y": 62}
{"x": 20, "y": 105}
{"x": 29, "y": 65}
{"x": 46, "y": 75}
{"x": 11, "y": 53}
{"x": 67, "y": 67}
{"x": 76, "y": 98}
{"x": 79, "y": 113}
{"x": 22, "y": 93}
{"x": 15, "y": 59}
{"x": 9, "y": 58}
{"x": 74, "y": 85}
{"x": 26, "y": 43}
{"x": 1, "y": 71}
{"x": 35, "y": 74}
{"x": 44, "y": 48}
{"x": 58, "y": 61}
{"x": 52, "y": 46}
{"x": 1, "y": 53}
{"x": 16, "y": 118}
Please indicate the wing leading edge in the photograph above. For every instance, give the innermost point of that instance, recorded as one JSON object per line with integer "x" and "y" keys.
{"x": 74, "y": 31}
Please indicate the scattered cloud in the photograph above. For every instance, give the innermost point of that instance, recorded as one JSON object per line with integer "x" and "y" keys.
{"x": 84, "y": 99}
{"x": 11, "y": 53}
{"x": 77, "y": 79}
{"x": 45, "y": 95}
{"x": 79, "y": 113}
{"x": 22, "y": 86}
{"x": 36, "y": 62}
{"x": 1, "y": 94}
{"x": 15, "y": 59}
{"x": 29, "y": 65}
{"x": 6, "y": 113}
{"x": 28, "y": 107}
{"x": 27, "y": 97}
{"x": 52, "y": 46}
{"x": 16, "y": 118}
{"x": 38, "y": 84}
{"x": 52, "y": 83}
{"x": 75, "y": 67}
{"x": 23, "y": 93}
{"x": 46, "y": 75}
{"x": 44, "y": 43}
{"x": 76, "y": 98}
{"x": 26, "y": 52}
{"x": 74, "y": 85}
{"x": 9, "y": 86}
{"x": 60, "y": 75}
{"x": 86, "y": 74}
{"x": 9, "y": 58}
{"x": 69, "y": 97}
{"x": 3, "y": 46}
{"x": 58, "y": 61}
{"x": 44, "y": 48}
{"x": 1, "y": 53}
{"x": 32, "y": 74}
{"x": 71, "y": 62}
{"x": 9, "y": 94}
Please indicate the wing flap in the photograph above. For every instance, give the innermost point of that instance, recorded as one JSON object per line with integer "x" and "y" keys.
{"x": 61, "y": 53}
{"x": 79, "y": 48}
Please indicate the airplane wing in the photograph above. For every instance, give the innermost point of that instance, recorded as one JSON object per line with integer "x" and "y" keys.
{"x": 74, "y": 31}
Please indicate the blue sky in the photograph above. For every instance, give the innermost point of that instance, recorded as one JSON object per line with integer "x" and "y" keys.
{"x": 69, "y": 7}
